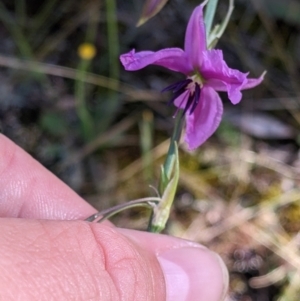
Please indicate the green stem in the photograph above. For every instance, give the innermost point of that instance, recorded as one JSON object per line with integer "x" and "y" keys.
{"x": 209, "y": 15}
{"x": 156, "y": 223}
{"x": 80, "y": 85}
{"x": 170, "y": 158}
{"x": 219, "y": 29}
{"x": 80, "y": 98}
{"x": 105, "y": 214}
{"x": 112, "y": 103}
{"x": 146, "y": 142}
{"x": 161, "y": 211}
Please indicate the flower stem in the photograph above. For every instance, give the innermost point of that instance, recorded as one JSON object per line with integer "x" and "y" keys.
{"x": 209, "y": 15}
{"x": 170, "y": 158}
{"x": 85, "y": 117}
{"x": 219, "y": 29}
{"x": 83, "y": 113}
{"x": 105, "y": 214}
{"x": 168, "y": 179}
{"x": 161, "y": 211}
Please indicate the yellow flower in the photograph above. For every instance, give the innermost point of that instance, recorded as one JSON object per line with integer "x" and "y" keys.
{"x": 86, "y": 51}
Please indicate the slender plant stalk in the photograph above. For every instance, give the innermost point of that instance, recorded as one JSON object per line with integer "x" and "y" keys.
{"x": 209, "y": 15}
{"x": 167, "y": 184}
{"x": 161, "y": 211}
{"x": 170, "y": 158}
{"x": 80, "y": 98}
{"x": 146, "y": 143}
{"x": 80, "y": 85}
{"x": 112, "y": 103}
{"x": 219, "y": 29}
{"x": 105, "y": 214}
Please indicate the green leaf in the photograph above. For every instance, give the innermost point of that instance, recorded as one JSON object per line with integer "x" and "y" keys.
{"x": 161, "y": 211}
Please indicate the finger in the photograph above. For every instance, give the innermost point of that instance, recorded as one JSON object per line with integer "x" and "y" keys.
{"x": 75, "y": 260}
{"x": 29, "y": 190}
{"x": 191, "y": 271}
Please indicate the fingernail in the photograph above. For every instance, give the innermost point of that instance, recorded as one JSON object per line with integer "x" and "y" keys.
{"x": 193, "y": 274}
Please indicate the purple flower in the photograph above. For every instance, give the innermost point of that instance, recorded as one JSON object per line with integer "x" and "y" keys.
{"x": 206, "y": 72}
{"x": 150, "y": 9}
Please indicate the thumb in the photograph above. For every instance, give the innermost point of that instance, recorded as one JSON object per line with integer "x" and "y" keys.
{"x": 76, "y": 260}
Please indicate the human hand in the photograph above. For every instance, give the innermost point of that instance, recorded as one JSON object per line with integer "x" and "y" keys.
{"x": 49, "y": 253}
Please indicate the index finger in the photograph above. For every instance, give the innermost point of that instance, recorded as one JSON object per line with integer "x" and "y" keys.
{"x": 29, "y": 190}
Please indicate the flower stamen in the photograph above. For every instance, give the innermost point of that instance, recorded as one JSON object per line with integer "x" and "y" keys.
{"x": 178, "y": 88}
{"x": 189, "y": 102}
{"x": 197, "y": 93}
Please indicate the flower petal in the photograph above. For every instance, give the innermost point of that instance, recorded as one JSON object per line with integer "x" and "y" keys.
{"x": 253, "y": 82}
{"x": 170, "y": 58}
{"x": 249, "y": 84}
{"x": 180, "y": 101}
{"x": 195, "y": 37}
{"x": 205, "y": 120}
{"x": 222, "y": 78}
